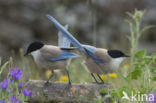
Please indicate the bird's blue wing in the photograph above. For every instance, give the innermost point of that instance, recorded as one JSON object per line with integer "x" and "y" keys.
{"x": 65, "y": 54}
{"x": 66, "y": 33}
{"x": 90, "y": 50}
{"x": 85, "y": 49}
{"x": 63, "y": 42}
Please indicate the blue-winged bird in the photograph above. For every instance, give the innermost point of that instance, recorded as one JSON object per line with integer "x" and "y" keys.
{"x": 53, "y": 57}
{"x": 97, "y": 60}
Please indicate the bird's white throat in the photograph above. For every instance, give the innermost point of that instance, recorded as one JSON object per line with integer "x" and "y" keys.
{"x": 117, "y": 61}
{"x": 35, "y": 55}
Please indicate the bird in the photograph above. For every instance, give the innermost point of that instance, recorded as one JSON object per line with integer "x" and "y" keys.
{"x": 52, "y": 57}
{"x": 97, "y": 60}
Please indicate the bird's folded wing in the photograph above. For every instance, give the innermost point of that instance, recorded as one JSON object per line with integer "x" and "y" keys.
{"x": 64, "y": 55}
{"x": 91, "y": 52}
{"x": 102, "y": 55}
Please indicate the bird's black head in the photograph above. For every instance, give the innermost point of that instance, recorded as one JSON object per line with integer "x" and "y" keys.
{"x": 34, "y": 46}
{"x": 116, "y": 54}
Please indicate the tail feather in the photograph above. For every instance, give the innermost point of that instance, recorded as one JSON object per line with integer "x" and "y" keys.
{"x": 84, "y": 48}
{"x": 66, "y": 33}
{"x": 63, "y": 41}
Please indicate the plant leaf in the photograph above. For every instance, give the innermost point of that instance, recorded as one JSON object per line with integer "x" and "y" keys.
{"x": 135, "y": 73}
{"x": 104, "y": 91}
{"x": 154, "y": 78}
{"x": 3, "y": 67}
{"x": 146, "y": 28}
{"x": 140, "y": 53}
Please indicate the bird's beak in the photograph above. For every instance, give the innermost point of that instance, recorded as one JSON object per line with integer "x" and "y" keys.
{"x": 127, "y": 55}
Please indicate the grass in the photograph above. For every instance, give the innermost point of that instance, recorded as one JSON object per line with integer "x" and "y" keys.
{"x": 138, "y": 74}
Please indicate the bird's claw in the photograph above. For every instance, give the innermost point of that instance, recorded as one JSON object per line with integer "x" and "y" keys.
{"x": 98, "y": 83}
{"x": 46, "y": 83}
{"x": 101, "y": 83}
{"x": 68, "y": 87}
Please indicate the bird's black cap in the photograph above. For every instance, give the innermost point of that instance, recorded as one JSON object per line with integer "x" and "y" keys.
{"x": 34, "y": 46}
{"x": 117, "y": 54}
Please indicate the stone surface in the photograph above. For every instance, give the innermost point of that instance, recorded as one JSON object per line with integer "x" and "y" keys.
{"x": 58, "y": 92}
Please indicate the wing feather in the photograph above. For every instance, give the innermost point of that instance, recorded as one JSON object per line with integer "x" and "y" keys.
{"x": 91, "y": 51}
{"x": 62, "y": 40}
{"x": 64, "y": 55}
{"x": 102, "y": 55}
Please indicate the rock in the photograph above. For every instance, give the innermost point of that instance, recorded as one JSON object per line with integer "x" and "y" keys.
{"x": 58, "y": 92}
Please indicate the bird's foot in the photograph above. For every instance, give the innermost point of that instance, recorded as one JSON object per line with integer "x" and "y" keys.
{"x": 98, "y": 83}
{"x": 94, "y": 82}
{"x": 68, "y": 87}
{"x": 102, "y": 82}
{"x": 46, "y": 83}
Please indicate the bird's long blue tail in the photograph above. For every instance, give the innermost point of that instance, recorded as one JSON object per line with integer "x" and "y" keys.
{"x": 63, "y": 42}
{"x": 66, "y": 33}
{"x": 84, "y": 48}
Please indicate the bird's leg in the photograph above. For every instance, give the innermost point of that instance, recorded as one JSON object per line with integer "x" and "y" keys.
{"x": 102, "y": 82}
{"x": 47, "y": 82}
{"x": 94, "y": 78}
{"x": 69, "y": 80}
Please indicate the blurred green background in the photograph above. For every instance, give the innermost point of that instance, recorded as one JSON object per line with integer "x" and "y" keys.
{"x": 96, "y": 22}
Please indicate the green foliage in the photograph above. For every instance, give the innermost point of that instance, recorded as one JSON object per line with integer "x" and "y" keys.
{"x": 140, "y": 54}
{"x": 104, "y": 91}
{"x": 2, "y": 67}
{"x": 136, "y": 32}
{"x": 142, "y": 73}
